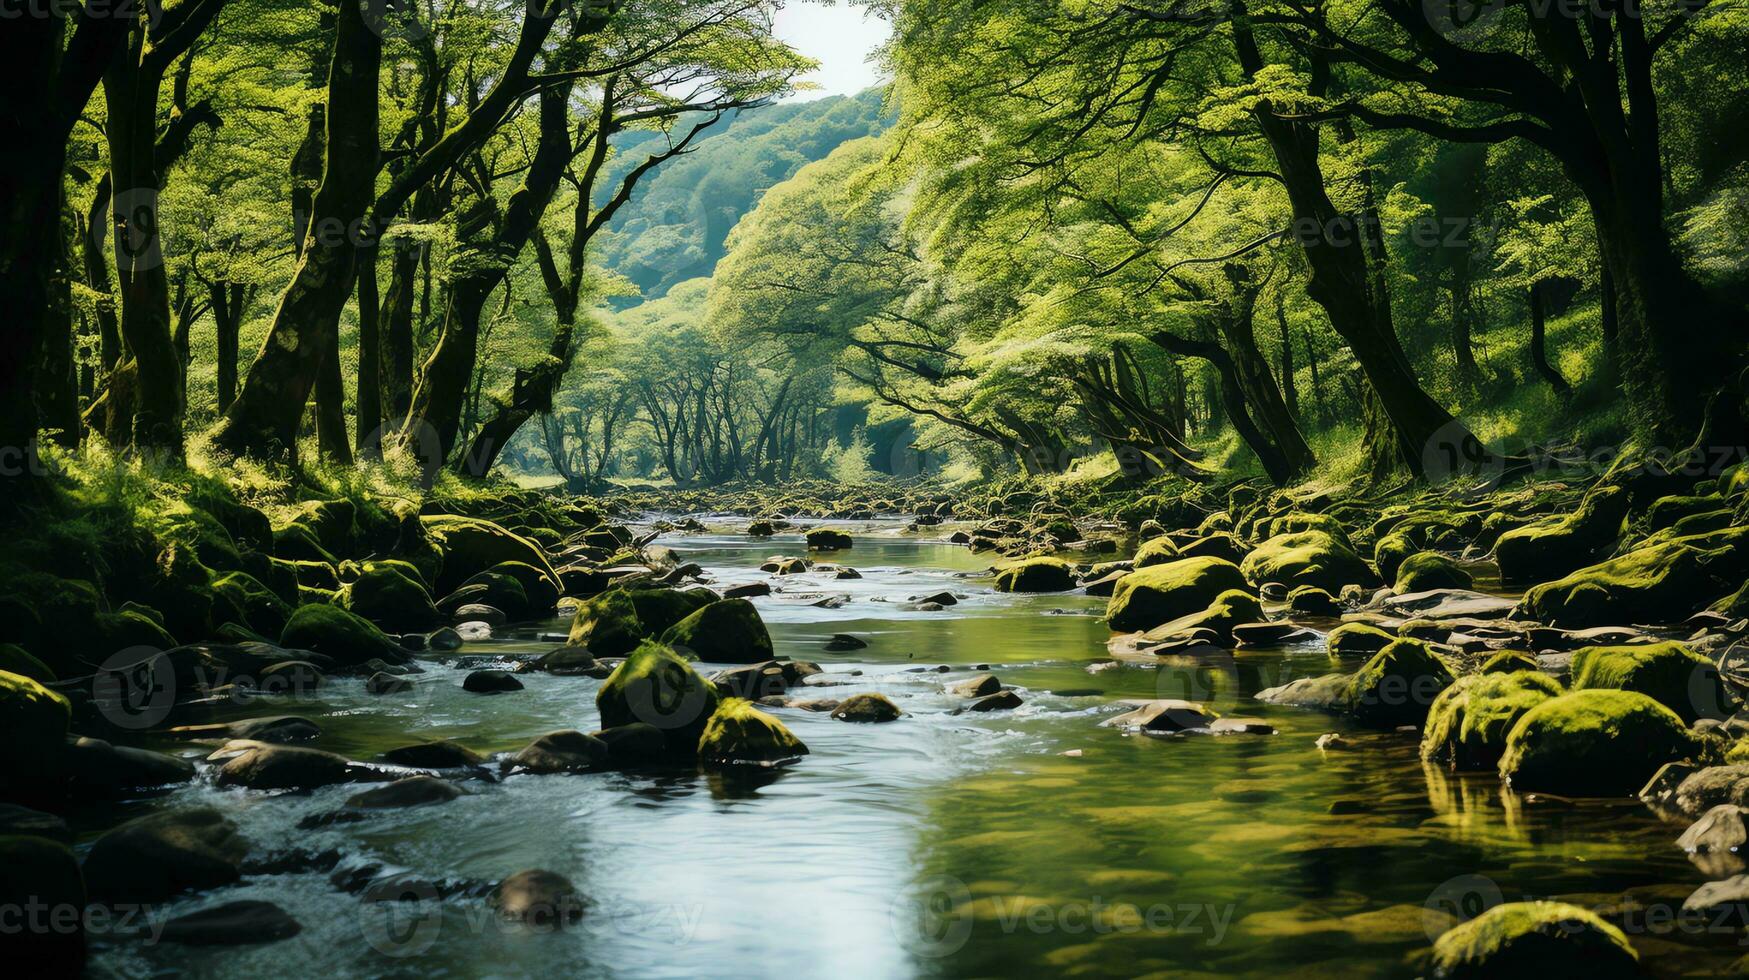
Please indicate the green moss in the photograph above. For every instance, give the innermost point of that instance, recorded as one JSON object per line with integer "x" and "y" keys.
{"x": 867, "y": 708}
{"x": 15, "y": 660}
{"x": 1669, "y": 673}
{"x": 33, "y": 734}
{"x": 1306, "y": 558}
{"x": 1469, "y": 721}
{"x": 1036, "y": 575}
{"x": 334, "y": 632}
{"x": 1158, "y": 551}
{"x": 828, "y": 539}
{"x": 540, "y": 593}
{"x": 1397, "y": 686}
{"x": 607, "y": 625}
{"x": 297, "y": 542}
{"x": 1217, "y": 545}
{"x": 1358, "y": 640}
{"x": 1390, "y": 551}
{"x": 1231, "y": 608}
{"x": 1429, "y": 570}
{"x": 391, "y": 598}
{"x": 1557, "y": 546}
{"x": 740, "y": 734}
{"x": 660, "y": 609}
{"x": 1309, "y": 600}
{"x": 1593, "y": 743}
{"x": 472, "y": 545}
{"x": 1148, "y": 597}
{"x": 657, "y": 687}
{"x": 1296, "y": 523}
{"x": 1660, "y": 583}
{"x": 729, "y": 632}
{"x": 1534, "y": 940}
{"x": 1510, "y": 661}
{"x": 501, "y": 590}
{"x": 128, "y": 628}
{"x": 262, "y": 609}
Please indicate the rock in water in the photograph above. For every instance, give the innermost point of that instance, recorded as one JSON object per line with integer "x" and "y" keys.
{"x": 539, "y": 898}
{"x": 977, "y": 686}
{"x": 490, "y": 682}
{"x": 1428, "y": 570}
{"x": 412, "y": 791}
{"x": 1669, "y": 673}
{"x": 381, "y": 683}
{"x": 563, "y": 751}
{"x": 33, "y": 723}
{"x": 607, "y": 625}
{"x": 1000, "y": 701}
{"x": 843, "y": 642}
{"x": 829, "y": 539}
{"x": 655, "y": 686}
{"x": 1534, "y": 940}
{"x": 867, "y": 708}
{"x": 1162, "y": 716}
{"x": 728, "y": 632}
{"x": 241, "y": 923}
{"x": 1037, "y": 575}
{"x": 38, "y": 872}
{"x": 1148, "y": 597}
{"x": 1397, "y": 686}
{"x": 1307, "y": 558}
{"x": 739, "y": 733}
{"x": 97, "y": 769}
{"x": 441, "y": 754}
{"x": 1468, "y": 723}
{"x": 158, "y": 856}
{"x": 333, "y": 632}
{"x": 284, "y": 767}
{"x": 1593, "y": 743}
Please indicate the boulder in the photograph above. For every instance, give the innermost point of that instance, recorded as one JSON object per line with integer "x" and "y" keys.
{"x": 158, "y": 856}
{"x": 1593, "y": 743}
{"x": 569, "y": 661}
{"x": 634, "y": 746}
{"x": 1390, "y": 551}
{"x": 471, "y": 546}
{"x": 340, "y": 635}
{"x": 657, "y": 687}
{"x": 828, "y": 539}
{"x": 43, "y": 874}
{"x": 1326, "y": 692}
{"x": 412, "y": 791}
{"x": 438, "y": 754}
{"x": 1000, "y": 701}
{"x": 1715, "y": 842}
{"x": 264, "y": 610}
{"x": 389, "y": 594}
{"x": 1162, "y": 716}
{"x": 22, "y": 820}
{"x": 1669, "y": 673}
{"x": 1398, "y": 685}
{"x": 844, "y": 642}
{"x": 607, "y": 625}
{"x": 867, "y": 708}
{"x": 1469, "y": 721}
{"x": 1534, "y": 940}
{"x": 727, "y": 632}
{"x": 1429, "y": 570}
{"x": 33, "y": 734}
{"x": 539, "y": 898}
{"x": 1218, "y": 545}
{"x": 976, "y": 686}
{"x": 1148, "y": 597}
{"x": 284, "y": 767}
{"x": 1309, "y": 600}
{"x": 1157, "y": 551}
{"x": 1556, "y": 546}
{"x": 1306, "y": 558}
{"x": 98, "y": 770}
{"x": 738, "y": 733}
{"x": 1509, "y": 662}
{"x": 1659, "y": 583}
{"x": 521, "y": 589}
{"x": 491, "y": 682}
{"x": 242, "y": 923}
{"x": 1037, "y": 575}
{"x": 1358, "y": 640}
{"x": 1228, "y": 610}
{"x": 761, "y": 529}
{"x": 383, "y": 683}
{"x": 563, "y": 751}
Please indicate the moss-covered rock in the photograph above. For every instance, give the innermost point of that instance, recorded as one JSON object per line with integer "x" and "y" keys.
{"x": 297, "y": 542}
{"x": 657, "y": 687}
{"x": 1398, "y": 685}
{"x": 1229, "y": 609}
{"x": 829, "y": 539}
{"x": 1036, "y": 575}
{"x": 1593, "y": 743}
{"x": 158, "y": 856}
{"x": 1425, "y": 571}
{"x": 1660, "y": 583}
{"x": 1554, "y": 547}
{"x": 1390, "y": 551}
{"x": 472, "y": 545}
{"x": 867, "y": 708}
{"x": 1534, "y": 940}
{"x": 1510, "y": 662}
{"x": 263, "y": 610}
{"x": 607, "y": 625}
{"x": 1669, "y": 673}
{"x": 1469, "y": 721}
{"x": 33, "y": 735}
{"x": 1306, "y": 558}
{"x": 1326, "y": 692}
{"x": 392, "y": 598}
{"x": 659, "y": 609}
{"x": 740, "y": 734}
{"x": 1217, "y": 545}
{"x": 14, "y": 659}
{"x": 1358, "y": 640}
{"x": 1148, "y": 597}
{"x": 727, "y": 632}
{"x": 1309, "y": 600}
{"x": 333, "y": 632}
{"x": 539, "y": 594}
{"x": 39, "y": 873}
{"x": 1156, "y": 551}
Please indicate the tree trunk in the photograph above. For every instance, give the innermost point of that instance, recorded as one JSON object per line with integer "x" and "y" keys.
{"x": 264, "y": 419}
{"x": 369, "y": 407}
{"x": 1275, "y": 462}
{"x": 1538, "y": 343}
{"x": 227, "y": 300}
{"x": 1290, "y": 388}
{"x": 397, "y": 333}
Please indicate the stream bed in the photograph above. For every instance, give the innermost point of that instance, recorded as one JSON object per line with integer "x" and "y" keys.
{"x": 942, "y": 844}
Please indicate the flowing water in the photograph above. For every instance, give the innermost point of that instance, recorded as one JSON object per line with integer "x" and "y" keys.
{"x": 944, "y": 843}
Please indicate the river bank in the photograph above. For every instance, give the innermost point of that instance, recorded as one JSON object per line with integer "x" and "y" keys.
{"x": 1348, "y": 809}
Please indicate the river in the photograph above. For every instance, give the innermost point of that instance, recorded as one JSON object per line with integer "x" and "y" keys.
{"x": 944, "y": 843}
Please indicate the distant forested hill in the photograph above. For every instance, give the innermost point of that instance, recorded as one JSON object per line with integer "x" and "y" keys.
{"x": 673, "y": 228}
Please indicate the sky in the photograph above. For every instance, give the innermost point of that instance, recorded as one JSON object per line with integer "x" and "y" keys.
{"x": 840, "y": 38}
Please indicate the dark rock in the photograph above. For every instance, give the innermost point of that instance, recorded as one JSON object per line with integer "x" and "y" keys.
{"x": 158, "y": 856}
{"x": 941, "y": 599}
{"x": 490, "y": 682}
{"x": 1715, "y": 842}
{"x": 42, "y": 874}
{"x": 563, "y": 751}
{"x": 867, "y": 708}
{"x": 412, "y": 791}
{"x": 434, "y": 755}
{"x": 98, "y": 770}
{"x": 747, "y": 590}
{"x": 15, "y": 820}
{"x": 242, "y": 923}
{"x": 539, "y": 898}
{"x": 841, "y": 642}
{"x": 284, "y": 767}
{"x": 752, "y": 682}
{"x": 476, "y": 612}
{"x": 1163, "y": 715}
{"x": 445, "y": 638}
{"x": 634, "y": 746}
{"x": 1000, "y": 701}
{"x": 981, "y": 685}
{"x": 380, "y": 683}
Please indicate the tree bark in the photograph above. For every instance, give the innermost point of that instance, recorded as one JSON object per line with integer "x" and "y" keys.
{"x": 1538, "y": 344}
{"x": 263, "y": 420}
